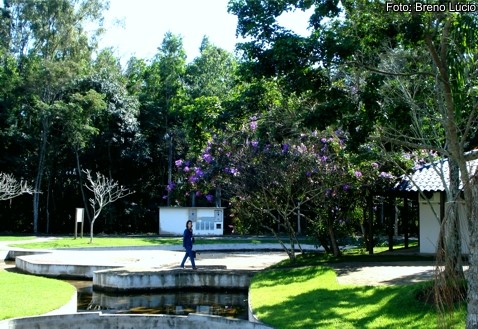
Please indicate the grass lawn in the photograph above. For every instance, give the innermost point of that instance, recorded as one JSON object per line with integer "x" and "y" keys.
{"x": 310, "y": 297}
{"x": 301, "y": 295}
{"x": 26, "y": 295}
{"x": 70, "y": 242}
{"x": 15, "y": 238}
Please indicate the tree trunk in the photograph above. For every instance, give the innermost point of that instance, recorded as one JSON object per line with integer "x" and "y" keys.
{"x": 369, "y": 221}
{"x": 452, "y": 240}
{"x": 333, "y": 241}
{"x": 80, "y": 179}
{"x": 323, "y": 241}
{"x": 449, "y": 278}
{"x": 472, "y": 274}
{"x": 91, "y": 230}
{"x": 390, "y": 222}
{"x": 40, "y": 170}
{"x": 290, "y": 252}
{"x": 456, "y": 159}
{"x": 47, "y": 208}
{"x": 472, "y": 278}
{"x": 405, "y": 221}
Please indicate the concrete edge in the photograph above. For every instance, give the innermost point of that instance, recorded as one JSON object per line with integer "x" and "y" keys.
{"x": 93, "y": 320}
{"x": 251, "y": 315}
{"x": 13, "y": 252}
{"x": 150, "y": 280}
{"x": 68, "y": 308}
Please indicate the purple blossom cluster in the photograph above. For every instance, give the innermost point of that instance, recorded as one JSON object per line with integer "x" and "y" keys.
{"x": 386, "y": 175}
{"x": 231, "y": 170}
{"x": 320, "y": 157}
{"x": 253, "y": 123}
{"x": 170, "y": 186}
{"x": 207, "y": 157}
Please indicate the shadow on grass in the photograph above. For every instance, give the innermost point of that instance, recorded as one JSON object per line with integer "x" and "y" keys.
{"x": 297, "y": 275}
{"x": 324, "y": 304}
{"x": 342, "y": 308}
{"x": 345, "y": 308}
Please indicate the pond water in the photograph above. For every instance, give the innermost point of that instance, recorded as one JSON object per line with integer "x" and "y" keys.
{"x": 228, "y": 304}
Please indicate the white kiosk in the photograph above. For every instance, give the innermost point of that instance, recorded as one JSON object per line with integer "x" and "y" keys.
{"x": 206, "y": 220}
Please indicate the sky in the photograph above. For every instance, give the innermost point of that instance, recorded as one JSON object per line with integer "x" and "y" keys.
{"x": 137, "y": 28}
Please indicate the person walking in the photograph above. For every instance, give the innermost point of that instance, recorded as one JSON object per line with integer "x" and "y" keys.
{"x": 188, "y": 241}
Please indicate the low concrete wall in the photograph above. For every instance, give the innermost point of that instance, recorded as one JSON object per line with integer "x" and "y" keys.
{"x": 126, "y": 321}
{"x": 58, "y": 270}
{"x": 125, "y": 279}
{"x": 127, "y": 301}
{"x": 13, "y": 254}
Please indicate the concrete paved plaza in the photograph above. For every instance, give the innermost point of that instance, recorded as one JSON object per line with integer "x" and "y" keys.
{"x": 233, "y": 256}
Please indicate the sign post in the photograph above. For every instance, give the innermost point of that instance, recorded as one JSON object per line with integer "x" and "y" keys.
{"x": 79, "y": 219}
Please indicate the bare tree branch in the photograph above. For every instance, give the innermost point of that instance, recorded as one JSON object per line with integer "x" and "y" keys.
{"x": 10, "y": 187}
{"x": 105, "y": 191}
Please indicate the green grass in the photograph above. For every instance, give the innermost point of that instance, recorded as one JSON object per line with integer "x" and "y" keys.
{"x": 310, "y": 297}
{"x": 381, "y": 248}
{"x": 26, "y": 295}
{"x": 70, "y": 242}
{"x": 15, "y": 238}
{"x": 97, "y": 242}
{"x": 301, "y": 295}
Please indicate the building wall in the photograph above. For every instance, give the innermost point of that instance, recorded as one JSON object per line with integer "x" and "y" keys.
{"x": 430, "y": 225}
{"x": 172, "y": 220}
{"x": 206, "y": 220}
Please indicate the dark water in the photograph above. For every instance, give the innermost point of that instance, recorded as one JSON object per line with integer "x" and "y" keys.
{"x": 227, "y": 304}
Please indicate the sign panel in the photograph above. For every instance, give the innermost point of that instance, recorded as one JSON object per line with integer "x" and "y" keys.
{"x": 79, "y": 215}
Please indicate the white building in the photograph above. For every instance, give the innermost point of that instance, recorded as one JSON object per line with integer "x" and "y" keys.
{"x": 206, "y": 220}
{"x": 431, "y": 212}
{"x": 429, "y": 181}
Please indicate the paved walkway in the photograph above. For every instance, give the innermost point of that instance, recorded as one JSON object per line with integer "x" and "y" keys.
{"x": 351, "y": 273}
{"x": 387, "y": 273}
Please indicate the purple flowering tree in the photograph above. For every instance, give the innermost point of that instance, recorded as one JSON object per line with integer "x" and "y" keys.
{"x": 267, "y": 183}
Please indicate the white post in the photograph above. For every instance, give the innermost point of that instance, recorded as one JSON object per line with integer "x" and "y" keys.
{"x": 79, "y": 219}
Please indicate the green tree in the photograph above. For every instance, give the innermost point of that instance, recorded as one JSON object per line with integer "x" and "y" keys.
{"x": 52, "y": 48}
{"x": 434, "y": 54}
{"x": 304, "y": 65}
{"x": 212, "y": 73}
{"x": 209, "y": 79}
{"x": 439, "y": 62}
{"x": 161, "y": 100}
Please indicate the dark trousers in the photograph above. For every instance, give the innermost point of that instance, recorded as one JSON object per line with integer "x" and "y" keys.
{"x": 190, "y": 254}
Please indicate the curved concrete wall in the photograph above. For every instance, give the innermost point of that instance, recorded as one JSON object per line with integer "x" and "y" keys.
{"x": 58, "y": 270}
{"x": 125, "y": 279}
{"x": 126, "y": 321}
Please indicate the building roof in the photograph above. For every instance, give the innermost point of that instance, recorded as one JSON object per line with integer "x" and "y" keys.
{"x": 431, "y": 177}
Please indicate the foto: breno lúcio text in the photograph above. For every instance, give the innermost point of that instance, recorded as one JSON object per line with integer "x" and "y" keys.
{"x": 425, "y": 7}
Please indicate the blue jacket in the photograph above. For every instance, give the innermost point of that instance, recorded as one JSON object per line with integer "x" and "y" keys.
{"x": 188, "y": 239}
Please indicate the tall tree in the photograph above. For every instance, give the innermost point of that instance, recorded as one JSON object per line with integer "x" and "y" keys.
{"x": 435, "y": 54}
{"x": 440, "y": 63}
{"x": 52, "y": 48}
{"x": 209, "y": 79}
{"x": 162, "y": 97}
{"x": 212, "y": 73}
